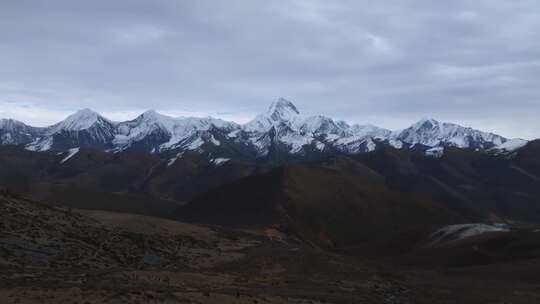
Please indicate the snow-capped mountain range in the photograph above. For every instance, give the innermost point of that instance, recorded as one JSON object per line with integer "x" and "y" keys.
{"x": 279, "y": 132}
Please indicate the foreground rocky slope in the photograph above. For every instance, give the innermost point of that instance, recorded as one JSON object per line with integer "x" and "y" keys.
{"x": 55, "y": 255}
{"x": 52, "y": 255}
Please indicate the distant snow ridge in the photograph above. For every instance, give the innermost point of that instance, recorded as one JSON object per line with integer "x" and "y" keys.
{"x": 282, "y": 129}
{"x": 283, "y": 124}
{"x": 13, "y": 132}
{"x": 432, "y": 133}
{"x": 168, "y": 133}
{"x": 85, "y": 128}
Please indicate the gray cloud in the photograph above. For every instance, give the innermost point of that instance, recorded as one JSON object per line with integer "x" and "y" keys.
{"x": 381, "y": 62}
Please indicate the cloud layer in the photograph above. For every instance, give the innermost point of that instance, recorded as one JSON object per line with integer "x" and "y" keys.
{"x": 382, "y": 62}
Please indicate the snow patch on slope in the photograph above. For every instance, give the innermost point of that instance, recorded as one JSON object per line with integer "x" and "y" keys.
{"x": 398, "y": 144}
{"x": 511, "y": 145}
{"x": 196, "y": 144}
{"x": 436, "y": 152}
{"x": 70, "y": 154}
{"x": 219, "y": 161}
{"x": 40, "y": 144}
{"x": 463, "y": 231}
{"x": 174, "y": 159}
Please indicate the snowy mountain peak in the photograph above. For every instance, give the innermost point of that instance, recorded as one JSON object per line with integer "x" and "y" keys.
{"x": 432, "y": 133}
{"x": 85, "y": 114}
{"x": 280, "y": 111}
{"x": 153, "y": 116}
{"x": 426, "y": 123}
{"x": 150, "y": 113}
{"x": 10, "y": 123}
{"x": 15, "y": 132}
{"x": 80, "y": 120}
{"x": 86, "y": 111}
{"x": 282, "y": 108}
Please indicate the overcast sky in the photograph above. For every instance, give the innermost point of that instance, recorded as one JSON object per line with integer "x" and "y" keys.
{"x": 386, "y": 62}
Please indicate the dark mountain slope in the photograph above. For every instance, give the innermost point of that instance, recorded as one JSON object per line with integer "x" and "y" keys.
{"x": 339, "y": 203}
{"x": 129, "y": 181}
{"x": 19, "y": 168}
{"x": 247, "y": 202}
{"x": 528, "y": 159}
{"x": 380, "y": 195}
{"x": 475, "y": 185}
{"x": 468, "y": 182}
{"x": 484, "y": 249}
